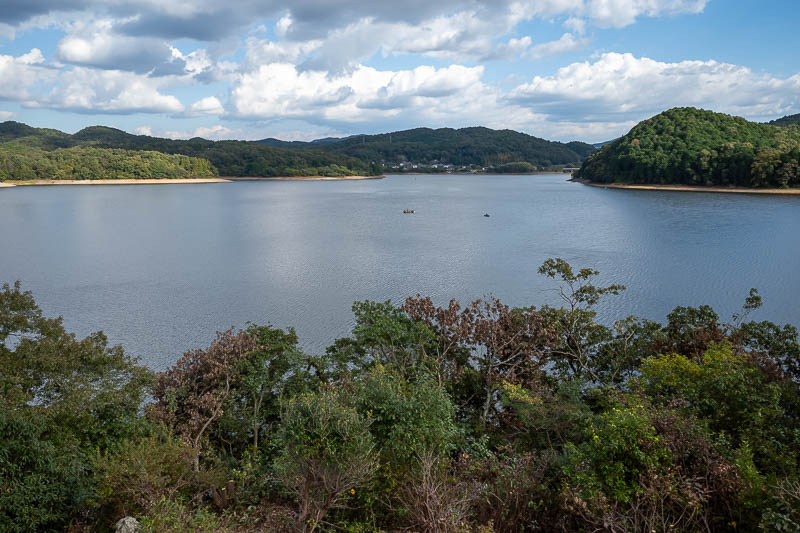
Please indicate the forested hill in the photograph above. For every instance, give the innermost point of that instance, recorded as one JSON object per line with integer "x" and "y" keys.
{"x": 36, "y": 153}
{"x": 482, "y": 147}
{"x": 697, "y": 147}
{"x": 788, "y": 120}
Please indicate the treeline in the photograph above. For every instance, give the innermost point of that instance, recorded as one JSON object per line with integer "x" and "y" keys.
{"x": 456, "y": 418}
{"x": 788, "y": 120}
{"x": 225, "y": 158}
{"x": 480, "y": 147}
{"x": 696, "y": 147}
{"x": 80, "y": 163}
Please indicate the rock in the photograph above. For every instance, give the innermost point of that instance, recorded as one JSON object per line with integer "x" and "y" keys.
{"x": 127, "y": 525}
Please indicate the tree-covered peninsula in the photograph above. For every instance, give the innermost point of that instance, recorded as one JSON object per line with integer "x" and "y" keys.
{"x": 688, "y": 146}
{"x": 98, "y": 152}
{"x": 461, "y": 418}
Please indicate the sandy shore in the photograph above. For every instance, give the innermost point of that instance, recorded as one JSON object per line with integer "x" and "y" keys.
{"x": 112, "y": 182}
{"x": 305, "y": 178}
{"x": 690, "y": 188}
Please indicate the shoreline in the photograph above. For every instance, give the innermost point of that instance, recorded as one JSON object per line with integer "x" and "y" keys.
{"x": 689, "y": 188}
{"x": 302, "y": 178}
{"x": 165, "y": 181}
{"x": 168, "y": 181}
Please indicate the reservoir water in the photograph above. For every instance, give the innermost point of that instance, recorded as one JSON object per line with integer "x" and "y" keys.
{"x": 160, "y": 268}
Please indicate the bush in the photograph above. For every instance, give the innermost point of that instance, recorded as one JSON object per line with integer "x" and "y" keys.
{"x": 42, "y": 484}
{"x": 328, "y": 453}
{"x": 142, "y": 474}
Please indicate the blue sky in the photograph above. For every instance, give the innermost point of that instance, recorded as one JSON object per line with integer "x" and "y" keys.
{"x": 558, "y": 69}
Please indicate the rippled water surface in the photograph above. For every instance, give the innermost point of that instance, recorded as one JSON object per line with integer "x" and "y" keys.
{"x": 160, "y": 268}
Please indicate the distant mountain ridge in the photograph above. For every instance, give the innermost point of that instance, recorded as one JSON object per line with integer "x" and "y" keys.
{"x": 788, "y": 120}
{"x": 474, "y": 146}
{"x": 35, "y": 153}
{"x": 689, "y": 146}
{"x": 227, "y": 158}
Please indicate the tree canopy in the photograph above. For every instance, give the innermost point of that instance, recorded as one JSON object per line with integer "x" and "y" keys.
{"x": 691, "y": 146}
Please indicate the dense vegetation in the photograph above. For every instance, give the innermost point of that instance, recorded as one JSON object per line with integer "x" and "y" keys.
{"x": 697, "y": 147}
{"x": 788, "y": 120}
{"x": 462, "y": 418}
{"x": 479, "y": 147}
{"x": 38, "y": 152}
{"x": 19, "y": 162}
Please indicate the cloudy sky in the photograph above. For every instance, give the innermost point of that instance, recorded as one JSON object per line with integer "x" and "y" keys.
{"x": 249, "y": 69}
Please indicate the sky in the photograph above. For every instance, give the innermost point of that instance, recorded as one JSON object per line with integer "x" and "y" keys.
{"x": 249, "y": 69}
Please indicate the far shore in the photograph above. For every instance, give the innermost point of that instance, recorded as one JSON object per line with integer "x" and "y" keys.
{"x": 167, "y": 181}
{"x": 689, "y": 188}
{"x": 303, "y": 178}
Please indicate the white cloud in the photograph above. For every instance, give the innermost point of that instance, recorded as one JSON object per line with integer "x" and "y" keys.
{"x": 280, "y": 90}
{"x": 210, "y": 105}
{"x": 19, "y": 75}
{"x": 576, "y": 25}
{"x": 34, "y": 57}
{"x": 215, "y": 132}
{"x": 566, "y": 43}
{"x": 144, "y": 130}
{"x": 108, "y": 91}
{"x": 96, "y": 44}
{"x": 6, "y": 115}
{"x": 261, "y": 52}
{"x": 620, "y": 87}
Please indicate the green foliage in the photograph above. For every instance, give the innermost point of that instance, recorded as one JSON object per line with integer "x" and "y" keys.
{"x": 328, "y": 453}
{"x": 382, "y": 334}
{"x": 729, "y": 391}
{"x": 546, "y": 419}
{"x": 697, "y": 147}
{"x": 622, "y": 444}
{"x": 19, "y": 161}
{"x": 433, "y": 418}
{"x": 171, "y": 516}
{"x": 579, "y": 338}
{"x": 481, "y": 147}
{"x": 788, "y": 120}
{"x": 408, "y": 418}
{"x": 106, "y": 153}
{"x": 91, "y": 393}
{"x": 42, "y": 482}
{"x": 517, "y": 167}
{"x": 138, "y": 476}
{"x": 273, "y": 369}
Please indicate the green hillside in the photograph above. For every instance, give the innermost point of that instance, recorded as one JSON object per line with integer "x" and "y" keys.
{"x": 100, "y": 152}
{"x": 482, "y": 147}
{"x": 234, "y": 158}
{"x": 86, "y": 163}
{"x": 697, "y": 147}
{"x": 788, "y": 120}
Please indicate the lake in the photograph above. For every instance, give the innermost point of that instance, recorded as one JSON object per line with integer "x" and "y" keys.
{"x": 160, "y": 268}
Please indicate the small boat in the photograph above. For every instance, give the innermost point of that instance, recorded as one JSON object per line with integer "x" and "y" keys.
{"x": 486, "y": 215}
{"x": 408, "y": 211}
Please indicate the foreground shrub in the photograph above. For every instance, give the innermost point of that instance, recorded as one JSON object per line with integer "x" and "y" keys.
{"x": 42, "y": 484}
{"x": 645, "y": 469}
{"x": 434, "y": 497}
{"x": 518, "y": 492}
{"x": 784, "y": 512}
{"x": 172, "y": 516}
{"x": 140, "y": 475}
{"x": 731, "y": 393}
{"x": 328, "y": 453}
